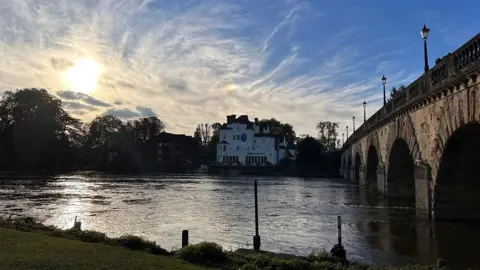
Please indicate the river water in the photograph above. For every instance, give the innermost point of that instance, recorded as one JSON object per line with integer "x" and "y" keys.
{"x": 296, "y": 215}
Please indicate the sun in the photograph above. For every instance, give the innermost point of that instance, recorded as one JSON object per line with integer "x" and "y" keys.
{"x": 82, "y": 77}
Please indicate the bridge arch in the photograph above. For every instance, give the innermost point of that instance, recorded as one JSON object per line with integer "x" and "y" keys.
{"x": 457, "y": 189}
{"x": 372, "y": 164}
{"x": 401, "y": 175}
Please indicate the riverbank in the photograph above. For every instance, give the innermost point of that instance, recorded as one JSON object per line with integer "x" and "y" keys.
{"x": 27, "y": 244}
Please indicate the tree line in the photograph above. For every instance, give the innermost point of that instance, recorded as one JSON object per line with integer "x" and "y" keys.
{"x": 37, "y": 134}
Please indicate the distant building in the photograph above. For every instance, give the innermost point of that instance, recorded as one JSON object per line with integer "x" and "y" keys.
{"x": 176, "y": 150}
{"x": 246, "y": 143}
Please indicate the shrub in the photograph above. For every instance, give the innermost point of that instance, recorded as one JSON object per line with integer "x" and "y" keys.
{"x": 139, "y": 243}
{"x": 24, "y": 223}
{"x": 89, "y": 236}
{"x": 204, "y": 253}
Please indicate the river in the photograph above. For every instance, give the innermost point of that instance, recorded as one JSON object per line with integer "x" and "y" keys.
{"x": 296, "y": 215}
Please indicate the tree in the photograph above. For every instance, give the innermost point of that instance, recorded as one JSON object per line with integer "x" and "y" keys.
{"x": 203, "y": 133}
{"x": 146, "y": 128}
{"x": 327, "y": 135}
{"x": 278, "y": 128}
{"x": 102, "y": 128}
{"x": 40, "y": 134}
{"x": 309, "y": 154}
{"x": 207, "y": 136}
{"x": 216, "y": 132}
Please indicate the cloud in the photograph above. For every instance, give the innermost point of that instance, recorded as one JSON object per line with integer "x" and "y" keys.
{"x": 123, "y": 113}
{"x": 145, "y": 112}
{"x": 70, "y": 95}
{"x": 175, "y": 60}
{"x": 126, "y": 113}
{"x": 74, "y": 105}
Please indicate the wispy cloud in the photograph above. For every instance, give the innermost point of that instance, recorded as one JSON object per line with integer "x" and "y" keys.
{"x": 178, "y": 60}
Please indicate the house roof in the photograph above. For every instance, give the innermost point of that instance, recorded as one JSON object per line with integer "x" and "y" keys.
{"x": 170, "y": 137}
{"x": 223, "y": 142}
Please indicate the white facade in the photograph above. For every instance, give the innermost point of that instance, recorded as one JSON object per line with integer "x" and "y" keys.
{"x": 247, "y": 143}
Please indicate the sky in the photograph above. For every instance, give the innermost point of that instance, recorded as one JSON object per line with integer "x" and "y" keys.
{"x": 189, "y": 62}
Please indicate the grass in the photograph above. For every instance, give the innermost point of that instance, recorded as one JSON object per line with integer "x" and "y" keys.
{"x": 26, "y": 244}
{"x": 37, "y": 250}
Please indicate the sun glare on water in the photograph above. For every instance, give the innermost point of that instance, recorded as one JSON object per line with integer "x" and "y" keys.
{"x": 82, "y": 77}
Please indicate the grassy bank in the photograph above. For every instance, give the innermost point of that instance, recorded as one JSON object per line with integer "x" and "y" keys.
{"x": 25, "y": 244}
{"x": 36, "y": 250}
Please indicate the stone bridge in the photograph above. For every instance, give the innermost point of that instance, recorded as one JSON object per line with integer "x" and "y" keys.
{"x": 423, "y": 146}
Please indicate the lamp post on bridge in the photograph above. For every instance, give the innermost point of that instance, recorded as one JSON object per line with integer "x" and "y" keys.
{"x": 353, "y": 120}
{"x": 343, "y": 138}
{"x": 384, "y": 82}
{"x": 347, "y": 132}
{"x": 424, "y": 33}
{"x": 364, "y": 111}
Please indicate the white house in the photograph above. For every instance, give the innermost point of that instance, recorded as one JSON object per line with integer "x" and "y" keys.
{"x": 248, "y": 143}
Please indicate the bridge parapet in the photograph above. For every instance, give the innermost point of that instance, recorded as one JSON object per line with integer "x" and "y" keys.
{"x": 447, "y": 74}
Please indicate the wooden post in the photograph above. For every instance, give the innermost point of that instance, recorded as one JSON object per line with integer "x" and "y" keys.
{"x": 184, "y": 238}
{"x": 256, "y": 238}
{"x": 339, "y": 229}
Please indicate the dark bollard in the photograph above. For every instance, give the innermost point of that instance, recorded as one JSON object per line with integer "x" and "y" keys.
{"x": 184, "y": 238}
{"x": 256, "y": 238}
{"x": 338, "y": 251}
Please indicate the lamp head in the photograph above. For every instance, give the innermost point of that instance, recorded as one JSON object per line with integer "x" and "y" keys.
{"x": 424, "y": 32}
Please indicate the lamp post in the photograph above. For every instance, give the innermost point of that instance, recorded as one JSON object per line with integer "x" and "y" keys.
{"x": 384, "y": 82}
{"x": 424, "y": 33}
{"x": 364, "y": 111}
{"x": 347, "y": 132}
{"x": 353, "y": 120}
{"x": 343, "y": 138}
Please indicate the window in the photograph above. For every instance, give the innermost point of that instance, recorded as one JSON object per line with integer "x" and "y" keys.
{"x": 234, "y": 137}
{"x": 224, "y": 148}
{"x": 224, "y": 136}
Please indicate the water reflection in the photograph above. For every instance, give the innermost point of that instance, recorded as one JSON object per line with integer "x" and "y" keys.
{"x": 296, "y": 215}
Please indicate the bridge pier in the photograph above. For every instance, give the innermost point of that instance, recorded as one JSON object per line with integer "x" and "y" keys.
{"x": 381, "y": 179}
{"x": 361, "y": 175}
{"x": 423, "y": 192}
{"x": 345, "y": 172}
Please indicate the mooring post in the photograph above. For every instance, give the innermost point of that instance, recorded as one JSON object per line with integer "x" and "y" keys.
{"x": 339, "y": 229}
{"x": 184, "y": 238}
{"x": 338, "y": 250}
{"x": 256, "y": 238}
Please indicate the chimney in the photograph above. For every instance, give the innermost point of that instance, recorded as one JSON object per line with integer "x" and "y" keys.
{"x": 256, "y": 121}
{"x": 231, "y": 118}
